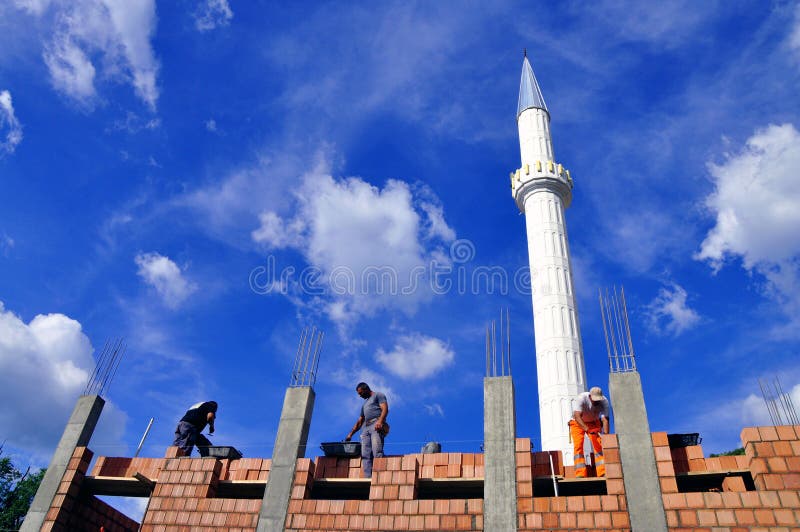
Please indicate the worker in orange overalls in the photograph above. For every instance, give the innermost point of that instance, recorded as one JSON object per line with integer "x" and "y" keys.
{"x": 589, "y": 417}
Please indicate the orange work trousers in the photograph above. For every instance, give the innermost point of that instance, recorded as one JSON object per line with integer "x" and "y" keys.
{"x": 577, "y": 433}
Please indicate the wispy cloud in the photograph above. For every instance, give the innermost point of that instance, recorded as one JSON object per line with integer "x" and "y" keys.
{"x": 10, "y": 128}
{"x": 166, "y": 277}
{"x": 110, "y": 35}
{"x": 212, "y": 14}
{"x": 669, "y": 312}
{"x": 794, "y": 35}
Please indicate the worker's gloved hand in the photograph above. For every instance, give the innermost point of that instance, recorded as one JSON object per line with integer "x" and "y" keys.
{"x": 346, "y": 438}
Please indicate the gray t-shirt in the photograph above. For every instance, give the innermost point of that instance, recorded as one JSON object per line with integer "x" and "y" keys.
{"x": 371, "y": 408}
{"x": 588, "y": 410}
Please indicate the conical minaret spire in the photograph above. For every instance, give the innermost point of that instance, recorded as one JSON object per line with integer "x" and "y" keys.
{"x": 542, "y": 190}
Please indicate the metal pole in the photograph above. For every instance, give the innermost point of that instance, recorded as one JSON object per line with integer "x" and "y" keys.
{"x": 144, "y": 436}
{"x": 553, "y": 473}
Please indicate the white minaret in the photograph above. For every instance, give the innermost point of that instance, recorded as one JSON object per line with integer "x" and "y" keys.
{"x": 542, "y": 189}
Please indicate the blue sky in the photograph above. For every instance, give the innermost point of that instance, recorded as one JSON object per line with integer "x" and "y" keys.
{"x": 162, "y": 163}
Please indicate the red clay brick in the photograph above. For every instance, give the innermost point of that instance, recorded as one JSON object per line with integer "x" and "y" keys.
{"x": 707, "y": 517}
{"x": 615, "y": 486}
{"x": 620, "y": 519}
{"x": 769, "y": 499}
{"x": 660, "y": 439}
{"x": 785, "y": 516}
{"x": 610, "y": 441}
{"x": 585, "y": 520}
{"x": 602, "y": 519}
{"x": 768, "y": 433}
{"x": 789, "y": 499}
{"x": 533, "y": 520}
{"x": 668, "y": 485}
{"x": 725, "y": 517}
{"x": 688, "y": 517}
{"x": 791, "y": 481}
{"x": 610, "y": 503}
{"x": 672, "y": 518}
{"x": 567, "y": 520}
{"x": 764, "y": 449}
{"x": 745, "y": 517}
{"x": 765, "y": 517}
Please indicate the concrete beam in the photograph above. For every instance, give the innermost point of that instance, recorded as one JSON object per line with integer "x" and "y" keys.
{"x": 499, "y": 439}
{"x": 290, "y": 444}
{"x": 642, "y": 488}
{"x": 77, "y": 433}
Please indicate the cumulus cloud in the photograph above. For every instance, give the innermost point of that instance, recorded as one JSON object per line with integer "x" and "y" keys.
{"x": 668, "y": 312}
{"x": 755, "y": 200}
{"x": 166, "y": 277}
{"x": 212, "y": 14}
{"x": 44, "y": 367}
{"x": 113, "y": 35}
{"x": 371, "y": 245}
{"x": 416, "y": 356}
{"x": 10, "y": 128}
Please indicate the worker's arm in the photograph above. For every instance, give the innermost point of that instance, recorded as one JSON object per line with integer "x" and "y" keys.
{"x": 604, "y": 420}
{"x": 384, "y": 412}
{"x": 576, "y": 415}
{"x": 211, "y": 417}
{"x": 355, "y": 428}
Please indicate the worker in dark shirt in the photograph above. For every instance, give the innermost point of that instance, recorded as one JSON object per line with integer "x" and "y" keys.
{"x": 188, "y": 432}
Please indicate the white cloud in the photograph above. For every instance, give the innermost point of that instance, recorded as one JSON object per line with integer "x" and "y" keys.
{"x": 10, "y": 128}
{"x": 434, "y": 409}
{"x": 371, "y": 244}
{"x": 44, "y": 367}
{"x": 35, "y": 7}
{"x": 415, "y": 356}
{"x": 757, "y": 190}
{"x": 668, "y": 312}
{"x": 212, "y": 14}
{"x": 112, "y": 34}
{"x": 211, "y": 124}
{"x": 164, "y": 275}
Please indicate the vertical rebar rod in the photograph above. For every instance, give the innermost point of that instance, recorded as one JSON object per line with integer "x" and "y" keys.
{"x": 502, "y": 347}
{"x": 494, "y": 350}
{"x": 316, "y": 357}
{"x": 296, "y": 364}
{"x": 767, "y": 402}
{"x": 605, "y": 329}
{"x": 487, "y": 353}
{"x": 508, "y": 339}
{"x": 631, "y": 353}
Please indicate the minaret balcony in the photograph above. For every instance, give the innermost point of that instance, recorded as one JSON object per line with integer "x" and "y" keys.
{"x": 540, "y": 174}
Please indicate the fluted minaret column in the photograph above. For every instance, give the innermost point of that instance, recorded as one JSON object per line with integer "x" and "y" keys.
{"x": 542, "y": 190}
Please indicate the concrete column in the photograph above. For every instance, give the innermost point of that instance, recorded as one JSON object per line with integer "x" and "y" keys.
{"x": 290, "y": 444}
{"x": 77, "y": 433}
{"x": 639, "y": 472}
{"x": 499, "y": 439}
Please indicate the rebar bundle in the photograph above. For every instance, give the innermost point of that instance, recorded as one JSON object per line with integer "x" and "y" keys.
{"x": 505, "y": 347}
{"x": 306, "y": 360}
{"x": 779, "y": 404}
{"x": 106, "y": 367}
{"x": 617, "y": 330}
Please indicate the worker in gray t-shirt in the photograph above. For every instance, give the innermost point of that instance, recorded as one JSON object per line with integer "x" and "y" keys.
{"x": 373, "y": 419}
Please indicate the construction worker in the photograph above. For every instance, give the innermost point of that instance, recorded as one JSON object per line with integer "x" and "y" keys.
{"x": 589, "y": 417}
{"x": 373, "y": 418}
{"x": 187, "y": 433}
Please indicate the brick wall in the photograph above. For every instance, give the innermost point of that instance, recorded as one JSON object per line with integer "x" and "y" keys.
{"x": 186, "y": 490}
{"x": 772, "y": 457}
{"x": 72, "y": 510}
